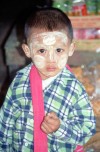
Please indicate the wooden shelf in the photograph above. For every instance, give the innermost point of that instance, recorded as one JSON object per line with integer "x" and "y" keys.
{"x": 88, "y": 45}
{"x": 82, "y": 22}
{"x": 85, "y": 21}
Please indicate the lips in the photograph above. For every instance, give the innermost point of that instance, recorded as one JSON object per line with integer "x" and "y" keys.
{"x": 51, "y": 68}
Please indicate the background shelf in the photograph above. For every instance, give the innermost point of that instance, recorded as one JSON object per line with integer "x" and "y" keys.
{"x": 88, "y": 45}
{"x": 85, "y": 21}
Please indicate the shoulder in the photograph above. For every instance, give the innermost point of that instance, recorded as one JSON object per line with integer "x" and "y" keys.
{"x": 69, "y": 80}
{"x": 22, "y": 76}
{"x": 25, "y": 71}
{"x": 19, "y": 87}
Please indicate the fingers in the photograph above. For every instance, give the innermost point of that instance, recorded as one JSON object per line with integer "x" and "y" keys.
{"x": 50, "y": 118}
{"x": 46, "y": 128}
{"x": 50, "y": 123}
{"x": 52, "y": 115}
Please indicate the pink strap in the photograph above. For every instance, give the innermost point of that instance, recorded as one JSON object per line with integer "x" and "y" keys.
{"x": 68, "y": 67}
{"x": 79, "y": 149}
{"x": 40, "y": 138}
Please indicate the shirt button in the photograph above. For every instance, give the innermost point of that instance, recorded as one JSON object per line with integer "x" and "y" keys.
{"x": 26, "y": 144}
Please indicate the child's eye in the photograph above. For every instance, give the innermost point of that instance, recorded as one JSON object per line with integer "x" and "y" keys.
{"x": 42, "y": 51}
{"x": 59, "y": 50}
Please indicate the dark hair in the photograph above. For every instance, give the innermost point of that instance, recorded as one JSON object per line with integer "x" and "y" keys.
{"x": 49, "y": 19}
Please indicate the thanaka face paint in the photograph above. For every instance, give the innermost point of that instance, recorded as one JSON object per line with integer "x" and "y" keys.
{"x": 39, "y": 61}
{"x": 62, "y": 62}
{"x": 49, "y": 39}
{"x": 49, "y": 52}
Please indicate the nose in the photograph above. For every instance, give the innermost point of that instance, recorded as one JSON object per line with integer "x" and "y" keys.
{"x": 51, "y": 56}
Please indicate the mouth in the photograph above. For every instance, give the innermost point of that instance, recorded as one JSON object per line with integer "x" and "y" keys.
{"x": 51, "y": 68}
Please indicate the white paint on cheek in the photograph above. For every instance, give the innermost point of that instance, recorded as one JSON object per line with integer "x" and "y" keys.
{"x": 32, "y": 48}
{"x": 39, "y": 61}
{"x": 62, "y": 62}
{"x": 49, "y": 39}
{"x": 30, "y": 45}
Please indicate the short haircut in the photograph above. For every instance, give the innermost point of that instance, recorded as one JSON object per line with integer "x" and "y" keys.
{"x": 50, "y": 19}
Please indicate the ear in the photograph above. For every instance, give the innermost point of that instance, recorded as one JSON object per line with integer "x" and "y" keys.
{"x": 71, "y": 48}
{"x": 26, "y": 50}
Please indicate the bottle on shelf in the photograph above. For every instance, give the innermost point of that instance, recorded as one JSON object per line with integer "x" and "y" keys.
{"x": 79, "y": 8}
{"x": 98, "y": 7}
{"x": 61, "y": 4}
{"x": 91, "y": 7}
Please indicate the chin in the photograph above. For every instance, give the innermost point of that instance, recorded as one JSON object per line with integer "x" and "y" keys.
{"x": 52, "y": 74}
{"x": 48, "y": 74}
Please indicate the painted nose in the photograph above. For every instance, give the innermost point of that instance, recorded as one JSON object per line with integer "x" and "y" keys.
{"x": 52, "y": 56}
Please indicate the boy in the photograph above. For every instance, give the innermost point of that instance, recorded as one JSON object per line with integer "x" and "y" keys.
{"x": 69, "y": 119}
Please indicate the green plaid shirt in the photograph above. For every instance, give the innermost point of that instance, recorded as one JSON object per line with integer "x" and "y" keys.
{"x": 65, "y": 96}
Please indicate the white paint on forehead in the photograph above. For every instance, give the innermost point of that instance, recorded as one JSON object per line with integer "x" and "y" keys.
{"x": 49, "y": 38}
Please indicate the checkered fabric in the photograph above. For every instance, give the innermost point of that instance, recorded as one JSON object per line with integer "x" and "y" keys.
{"x": 65, "y": 96}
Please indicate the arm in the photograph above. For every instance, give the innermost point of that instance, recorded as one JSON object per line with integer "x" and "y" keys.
{"x": 79, "y": 126}
{"x": 7, "y": 122}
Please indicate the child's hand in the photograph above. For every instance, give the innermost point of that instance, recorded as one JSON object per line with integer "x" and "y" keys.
{"x": 50, "y": 123}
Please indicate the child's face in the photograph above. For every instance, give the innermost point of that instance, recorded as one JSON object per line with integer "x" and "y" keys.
{"x": 49, "y": 51}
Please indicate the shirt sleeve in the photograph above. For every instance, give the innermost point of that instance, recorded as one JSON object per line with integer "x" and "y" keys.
{"x": 80, "y": 125}
{"x": 7, "y": 121}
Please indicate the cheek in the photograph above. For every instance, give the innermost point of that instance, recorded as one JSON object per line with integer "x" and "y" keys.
{"x": 62, "y": 62}
{"x": 39, "y": 61}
